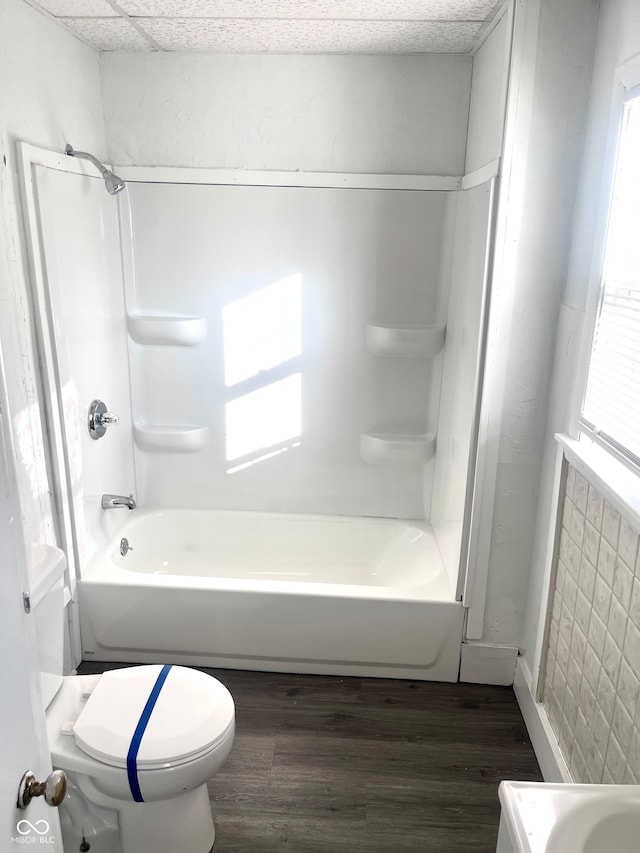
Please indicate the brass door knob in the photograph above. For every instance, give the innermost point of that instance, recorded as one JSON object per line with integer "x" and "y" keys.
{"x": 53, "y": 789}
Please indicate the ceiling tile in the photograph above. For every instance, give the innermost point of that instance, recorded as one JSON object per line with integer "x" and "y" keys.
{"x": 268, "y": 36}
{"x": 401, "y": 10}
{"x": 108, "y": 33}
{"x": 78, "y": 8}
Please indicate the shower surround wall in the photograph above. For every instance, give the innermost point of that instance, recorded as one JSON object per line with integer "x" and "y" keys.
{"x": 462, "y": 300}
{"x": 80, "y": 244}
{"x": 341, "y": 114}
{"x": 358, "y": 257}
{"x": 592, "y": 674}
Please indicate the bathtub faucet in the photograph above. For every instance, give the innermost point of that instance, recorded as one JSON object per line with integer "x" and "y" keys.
{"x": 117, "y": 501}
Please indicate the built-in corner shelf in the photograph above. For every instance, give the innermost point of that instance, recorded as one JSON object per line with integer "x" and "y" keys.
{"x": 166, "y": 329}
{"x": 405, "y": 341}
{"x": 380, "y": 448}
{"x": 171, "y": 439}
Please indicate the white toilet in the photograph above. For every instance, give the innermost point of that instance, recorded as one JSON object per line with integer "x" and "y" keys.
{"x": 138, "y": 744}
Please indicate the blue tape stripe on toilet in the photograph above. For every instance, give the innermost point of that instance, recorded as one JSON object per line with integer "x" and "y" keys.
{"x": 136, "y": 740}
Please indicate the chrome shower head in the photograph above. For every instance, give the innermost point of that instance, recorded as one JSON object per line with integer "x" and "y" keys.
{"x": 112, "y": 182}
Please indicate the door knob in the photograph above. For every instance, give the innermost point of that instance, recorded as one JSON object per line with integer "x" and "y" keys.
{"x": 100, "y": 419}
{"x": 53, "y": 789}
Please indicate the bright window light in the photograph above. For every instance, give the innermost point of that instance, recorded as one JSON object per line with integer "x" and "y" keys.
{"x": 263, "y": 333}
{"x": 611, "y": 408}
{"x": 264, "y": 418}
{"x": 262, "y": 330}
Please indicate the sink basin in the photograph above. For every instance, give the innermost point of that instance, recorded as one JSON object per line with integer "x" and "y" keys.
{"x": 557, "y": 818}
{"x": 602, "y": 823}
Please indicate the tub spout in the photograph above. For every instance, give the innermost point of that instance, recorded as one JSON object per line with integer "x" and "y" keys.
{"x": 117, "y": 501}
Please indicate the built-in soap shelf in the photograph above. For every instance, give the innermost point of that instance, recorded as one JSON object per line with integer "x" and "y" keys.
{"x": 386, "y": 448}
{"x": 405, "y": 341}
{"x": 171, "y": 439}
{"x": 166, "y": 329}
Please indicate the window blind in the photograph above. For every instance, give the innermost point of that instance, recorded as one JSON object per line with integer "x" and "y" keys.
{"x": 611, "y": 406}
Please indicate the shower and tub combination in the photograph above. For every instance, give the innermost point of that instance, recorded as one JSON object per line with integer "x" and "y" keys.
{"x": 295, "y": 364}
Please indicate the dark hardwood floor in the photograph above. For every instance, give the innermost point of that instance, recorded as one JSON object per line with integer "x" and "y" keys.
{"x": 359, "y": 765}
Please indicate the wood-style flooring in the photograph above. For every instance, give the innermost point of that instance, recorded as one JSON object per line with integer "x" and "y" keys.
{"x": 326, "y": 764}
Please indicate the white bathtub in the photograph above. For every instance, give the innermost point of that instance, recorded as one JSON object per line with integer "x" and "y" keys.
{"x": 287, "y": 593}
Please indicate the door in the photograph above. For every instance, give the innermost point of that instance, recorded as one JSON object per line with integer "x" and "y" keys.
{"x": 23, "y": 737}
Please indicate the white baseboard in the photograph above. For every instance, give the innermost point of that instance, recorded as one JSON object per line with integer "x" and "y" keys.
{"x": 483, "y": 663}
{"x": 545, "y": 745}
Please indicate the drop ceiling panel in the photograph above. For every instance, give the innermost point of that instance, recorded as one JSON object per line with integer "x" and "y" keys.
{"x": 108, "y": 33}
{"x": 276, "y": 26}
{"x": 295, "y": 36}
{"x": 79, "y": 8}
{"x": 400, "y": 10}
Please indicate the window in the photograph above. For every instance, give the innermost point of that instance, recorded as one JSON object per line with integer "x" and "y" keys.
{"x": 611, "y": 406}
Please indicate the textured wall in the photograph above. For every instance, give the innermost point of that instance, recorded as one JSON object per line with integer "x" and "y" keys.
{"x": 316, "y": 113}
{"x": 539, "y": 212}
{"x": 618, "y": 39}
{"x": 592, "y": 679}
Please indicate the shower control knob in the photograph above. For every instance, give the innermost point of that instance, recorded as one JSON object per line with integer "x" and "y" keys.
{"x": 100, "y": 419}
{"x": 53, "y": 789}
{"x": 107, "y": 418}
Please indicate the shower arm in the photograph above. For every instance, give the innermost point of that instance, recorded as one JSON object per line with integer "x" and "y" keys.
{"x": 113, "y": 183}
{"x": 71, "y": 152}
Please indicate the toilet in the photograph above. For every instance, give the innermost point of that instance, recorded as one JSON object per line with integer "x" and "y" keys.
{"x": 138, "y": 744}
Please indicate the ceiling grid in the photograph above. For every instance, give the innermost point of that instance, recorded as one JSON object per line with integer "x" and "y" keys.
{"x": 276, "y": 26}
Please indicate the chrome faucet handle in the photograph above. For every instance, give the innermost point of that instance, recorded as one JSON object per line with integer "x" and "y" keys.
{"x": 100, "y": 419}
{"x": 107, "y": 418}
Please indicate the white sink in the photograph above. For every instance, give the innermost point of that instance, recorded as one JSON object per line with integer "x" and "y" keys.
{"x": 556, "y": 818}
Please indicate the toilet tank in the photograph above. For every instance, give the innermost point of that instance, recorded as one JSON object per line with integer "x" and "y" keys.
{"x": 46, "y": 588}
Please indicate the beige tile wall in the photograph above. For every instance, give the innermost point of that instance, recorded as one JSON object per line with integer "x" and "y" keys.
{"x": 592, "y": 678}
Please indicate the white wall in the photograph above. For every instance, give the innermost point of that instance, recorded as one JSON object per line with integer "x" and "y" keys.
{"x": 537, "y": 203}
{"x": 618, "y": 40}
{"x": 50, "y": 93}
{"x": 489, "y": 96}
{"x": 405, "y": 114}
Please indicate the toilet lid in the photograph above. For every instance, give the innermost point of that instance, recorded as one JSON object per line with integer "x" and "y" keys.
{"x": 192, "y": 713}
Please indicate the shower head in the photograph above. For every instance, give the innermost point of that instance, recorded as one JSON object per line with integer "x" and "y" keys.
{"x": 112, "y": 182}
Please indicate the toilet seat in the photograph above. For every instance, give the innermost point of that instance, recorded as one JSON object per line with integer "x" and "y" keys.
{"x": 192, "y": 715}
